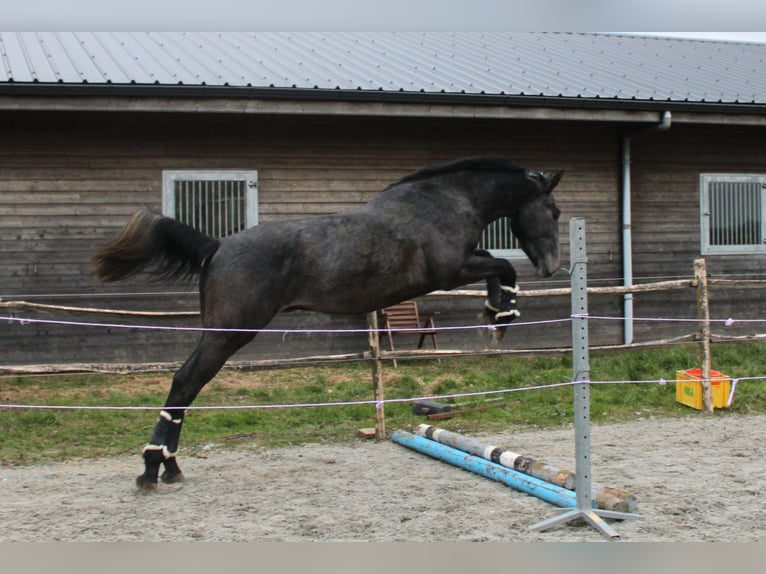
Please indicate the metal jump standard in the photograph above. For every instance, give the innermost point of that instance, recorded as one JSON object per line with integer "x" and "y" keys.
{"x": 581, "y": 371}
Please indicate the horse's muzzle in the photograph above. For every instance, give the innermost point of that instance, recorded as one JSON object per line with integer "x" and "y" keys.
{"x": 548, "y": 266}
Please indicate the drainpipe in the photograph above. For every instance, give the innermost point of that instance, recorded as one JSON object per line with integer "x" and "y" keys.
{"x": 627, "y": 223}
{"x": 627, "y": 242}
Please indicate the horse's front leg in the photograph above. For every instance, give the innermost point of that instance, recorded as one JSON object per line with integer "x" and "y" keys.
{"x": 501, "y": 306}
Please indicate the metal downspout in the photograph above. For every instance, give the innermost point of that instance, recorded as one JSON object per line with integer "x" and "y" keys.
{"x": 627, "y": 243}
{"x": 627, "y": 224}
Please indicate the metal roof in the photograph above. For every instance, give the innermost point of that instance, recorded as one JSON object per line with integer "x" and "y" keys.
{"x": 549, "y": 65}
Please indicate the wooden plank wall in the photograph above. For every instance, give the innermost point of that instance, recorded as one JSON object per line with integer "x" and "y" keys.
{"x": 68, "y": 181}
{"x": 666, "y": 169}
{"x": 666, "y": 225}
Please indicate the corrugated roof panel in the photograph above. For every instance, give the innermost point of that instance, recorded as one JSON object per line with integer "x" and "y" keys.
{"x": 236, "y": 65}
{"x": 572, "y": 65}
{"x": 398, "y": 71}
{"x": 307, "y": 69}
{"x": 21, "y": 68}
{"x": 417, "y": 65}
{"x": 365, "y": 58}
{"x": 475, "y": 74}
{"x": 258, "y": 60}
{"x": 182, "y": 67}
{"x": 666, "y": 68}
{"x": 121, "y": 58}
{"x": 108, "y": 56}
{"x": 284, "y": 69}
{"x": 77, "y": 62}
{"x": 103, "y": 53}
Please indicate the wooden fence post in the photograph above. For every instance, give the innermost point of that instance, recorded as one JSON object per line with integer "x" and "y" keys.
{"x": 373, "y": 337}
{"x": 703, "y": 314}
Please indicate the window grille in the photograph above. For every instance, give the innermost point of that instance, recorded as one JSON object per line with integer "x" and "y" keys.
{"x": 498, "y": 239}
{"x": 732, "y": 213}
{"x": 218, "y": 203}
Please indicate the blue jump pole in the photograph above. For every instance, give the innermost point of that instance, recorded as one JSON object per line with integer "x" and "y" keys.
{"x": 528, "y": 484}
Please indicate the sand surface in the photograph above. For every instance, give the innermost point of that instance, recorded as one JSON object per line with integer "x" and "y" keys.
{"x": 696, "y": 478}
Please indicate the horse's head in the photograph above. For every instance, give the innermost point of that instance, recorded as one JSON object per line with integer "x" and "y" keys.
{"x": 535, "y": 225}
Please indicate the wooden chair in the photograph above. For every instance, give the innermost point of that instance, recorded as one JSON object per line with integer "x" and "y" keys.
{"x": 404, "y": 318}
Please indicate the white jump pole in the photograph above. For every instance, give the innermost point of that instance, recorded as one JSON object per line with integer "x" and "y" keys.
{"x": 581, "y": 376}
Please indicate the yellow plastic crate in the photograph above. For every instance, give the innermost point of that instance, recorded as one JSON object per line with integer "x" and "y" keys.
{"x": 689, "y": 388}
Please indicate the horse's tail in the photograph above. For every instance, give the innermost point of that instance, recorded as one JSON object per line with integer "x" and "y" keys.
{"x": 168, "y": 248}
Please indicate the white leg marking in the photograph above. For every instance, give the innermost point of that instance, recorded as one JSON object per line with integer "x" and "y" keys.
{"x": 514, "y": 313}
{"x": 168, "y": 417}
{"x": 161, "y": 447}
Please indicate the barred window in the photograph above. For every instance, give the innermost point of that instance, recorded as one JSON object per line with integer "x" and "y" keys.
{"x": 218, "y": 203}
{"x": 500, "y": 241}
{"x": 732, "y": 213}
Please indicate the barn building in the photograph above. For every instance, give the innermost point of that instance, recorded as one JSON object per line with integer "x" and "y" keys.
{"x": 662, "y": 141}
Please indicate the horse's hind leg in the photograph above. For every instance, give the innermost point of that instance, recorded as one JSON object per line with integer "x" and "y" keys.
{"x": 213, "y": 350}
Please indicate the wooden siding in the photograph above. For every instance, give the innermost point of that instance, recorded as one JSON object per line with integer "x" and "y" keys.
{"x": 68, "y": 181}
{"x": 666, "y": 223}
{"x": 666, "y": 201}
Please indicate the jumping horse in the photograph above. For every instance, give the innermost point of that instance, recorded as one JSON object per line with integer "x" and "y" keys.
{"x": 417, "y": 235}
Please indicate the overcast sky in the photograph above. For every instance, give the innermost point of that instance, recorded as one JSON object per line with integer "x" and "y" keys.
{"x": 390, "y": 15}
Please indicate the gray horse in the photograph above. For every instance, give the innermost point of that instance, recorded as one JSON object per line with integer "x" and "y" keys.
{"x": 417, "y": 235}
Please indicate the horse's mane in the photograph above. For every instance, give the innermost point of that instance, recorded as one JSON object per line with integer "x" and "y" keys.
{"x": 468, "y": 163}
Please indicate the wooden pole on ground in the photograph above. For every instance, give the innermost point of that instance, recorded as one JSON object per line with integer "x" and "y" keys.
{"x": 703, "y": 314}
{"x": 373, "y": 337}
{"x": 606, "y": 497}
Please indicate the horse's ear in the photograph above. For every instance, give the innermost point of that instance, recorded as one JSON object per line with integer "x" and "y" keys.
{"x": 554, "y": 181}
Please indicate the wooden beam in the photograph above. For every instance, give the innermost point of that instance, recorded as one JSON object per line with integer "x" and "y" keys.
{"x": 294, "y": 106}
{"x": 703, "y": 313}
{"x": 377, "y": 375}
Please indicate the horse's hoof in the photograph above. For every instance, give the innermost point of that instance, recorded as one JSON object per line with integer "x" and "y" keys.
{"x": 144, "y": 485}
{"x": 168, "y": 478}
{"x": 489, "y": 334}
{"x": 498, "y": 334}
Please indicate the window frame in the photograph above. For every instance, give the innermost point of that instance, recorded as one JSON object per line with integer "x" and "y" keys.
{"x": 706, "y": 248}
{"x": 249, "y": 177}
{"x": 514, "y": 253}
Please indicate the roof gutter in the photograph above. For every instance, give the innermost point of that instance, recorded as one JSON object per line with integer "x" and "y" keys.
{"x": 186, "y": 92}
{"x": 627, "y": 221}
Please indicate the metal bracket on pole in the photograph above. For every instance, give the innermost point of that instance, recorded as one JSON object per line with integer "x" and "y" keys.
{"x": 581, "y": 371}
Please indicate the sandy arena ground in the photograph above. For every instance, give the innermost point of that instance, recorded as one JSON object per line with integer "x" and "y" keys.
{"x": 697, "y": 478}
